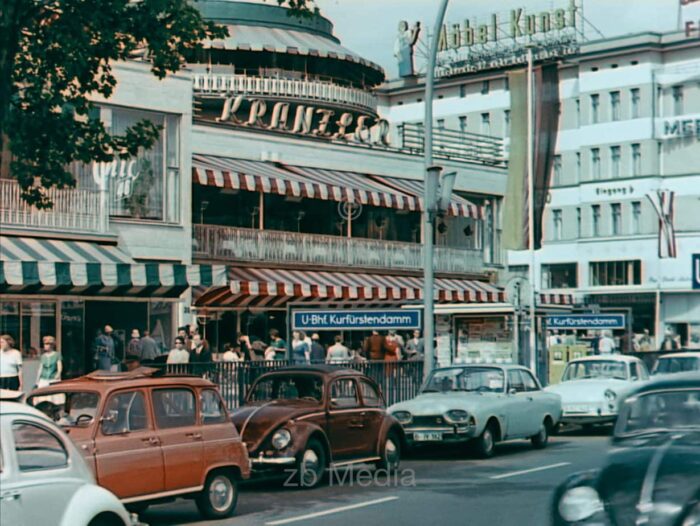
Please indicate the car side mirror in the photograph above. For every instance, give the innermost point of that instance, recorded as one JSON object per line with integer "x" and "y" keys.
{"x": 110, "y": 417}
{"x": 512, "y": 391}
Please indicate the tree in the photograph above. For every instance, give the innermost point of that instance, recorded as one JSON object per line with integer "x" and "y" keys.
{"x": 56, "y": 54}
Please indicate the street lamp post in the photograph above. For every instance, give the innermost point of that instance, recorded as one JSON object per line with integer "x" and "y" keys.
{"x": 531, "y": 211}
{"x": 430, "y": 187}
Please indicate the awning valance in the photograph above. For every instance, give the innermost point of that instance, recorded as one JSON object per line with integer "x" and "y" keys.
{"x": 556, "y": 299}
{"x": 255, "y": 287}
{"x": 318, "y": 183}
{"x": 40, "y": 249}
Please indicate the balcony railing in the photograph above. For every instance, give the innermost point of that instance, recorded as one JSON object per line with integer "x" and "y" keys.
{"x": 73, "y": 210}
{"x": 276, "y": 87}
{"x": 271, "y": 246}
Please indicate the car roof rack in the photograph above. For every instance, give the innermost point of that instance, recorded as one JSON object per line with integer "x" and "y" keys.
{"x": 141, "y": 372}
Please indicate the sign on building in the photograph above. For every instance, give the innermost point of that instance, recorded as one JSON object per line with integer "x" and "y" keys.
{"x": 696, "y": 271}
{"x": 356, "y": 320}
{"x": 586, "y": 321}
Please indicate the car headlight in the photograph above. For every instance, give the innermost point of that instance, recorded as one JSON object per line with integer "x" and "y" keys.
{"x": 404, "y": 417}
{"x": 457, "y": 416}
{"x": 693, "y": 516}
{"x": 281, "y": 438}
{"x": 579, "y": 503}
{"x": 610, "y": 395}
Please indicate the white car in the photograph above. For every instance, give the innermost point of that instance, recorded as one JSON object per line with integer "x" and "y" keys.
{"x": 44, "y": 479}
{"x": 677, "y": 362}
{"x": 591, "y": 388}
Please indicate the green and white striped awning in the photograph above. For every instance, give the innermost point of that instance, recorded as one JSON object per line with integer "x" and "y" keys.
{"x": 50, "y": 266}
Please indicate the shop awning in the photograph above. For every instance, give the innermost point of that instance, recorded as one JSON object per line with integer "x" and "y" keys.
{"x": 33, "y": 265}
{"x": 318, "y": 183}
{"x": 556, "y": 299}
{"x": 254, "y": 287}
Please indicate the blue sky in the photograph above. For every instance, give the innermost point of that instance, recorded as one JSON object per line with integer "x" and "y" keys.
{"x": 368, "y": 27}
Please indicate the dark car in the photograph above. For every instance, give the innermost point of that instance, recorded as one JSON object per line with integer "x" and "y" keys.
{"x": 652, "y": 475}
{"x": 306, "y": 419}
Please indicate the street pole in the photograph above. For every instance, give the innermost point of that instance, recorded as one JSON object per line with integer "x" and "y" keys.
{"x": 430, "y": 200}
{"x": 531, "y": 211}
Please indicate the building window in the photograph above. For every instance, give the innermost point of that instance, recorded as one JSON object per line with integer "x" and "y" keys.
{"x": 616, "y": 219}
{"x": 578, "y": 167}
{"x": 556, "y": 170}
{"x": 615, "y": 273}
{"x": 636, "y": 217}
{"x": 506, "y": 122}
{"x": 595, "y": 216}
{"x": 578, "y": 223}
{"x": 441, "y": 124}
{"x": 519, "y": 269}
{"x": 615, "y": 105}
{"x": 595, "y": 163}
{"x": 595, "y": 106}
{"x": 614, "y": 162}
{"x": 559, "y": 276}
{"x": 636, "y": 159}
{"x": 463, "y": 123}
{"x": 506, "y": 83}
{"x": 578, "y": 113}
{"x": 634, "y": 103}
{"x": 557, "y": 222}
{"x": 462, "y": 90}
{"x": 485, "y": 86}
{"x": 486, "y": 123}
{"x": 677, "y": 100}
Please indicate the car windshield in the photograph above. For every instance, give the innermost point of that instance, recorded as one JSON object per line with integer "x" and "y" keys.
{"x": 660, "y": 411}
{"x": 288, "y": 387}
{"x": 595, "y": 369}
{"x": 69, "y": 408}
{"x": 482, "y": 379}
{"x": 677, "y": 364}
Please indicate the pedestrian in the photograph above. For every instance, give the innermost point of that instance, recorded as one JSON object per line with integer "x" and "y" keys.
{"x": 103, "y": 350}
{"x": 645, "y": 341}
{"x": 244, "y": 343}
{"x": 179, "y": 353}
{"x": 10, "y": 364}
{"x": 278, "y": 343}
{"x": 200, "y": 355}
{"x": 50, "y": 364}
{"x": 300, "y": 349}
{"x": 606, "y": 345}
{"x": 149, "y": 348}
{"x": 231, "y": 354}
{"x": 317, "y": 353}
{"x": 595, "y": 341}
{"x": 374, "y": 346}
{"x": 669, "y": 343}
{"x": 415, "y": 345}
{"x": 338, "y": 353}
{"x": 184, "y": 333}
{"x": 398, "y": 338}
{"x": 116, "y": 346}
{"x": 270, "y": 354}
{"x": 392, "y": 350}
{"x": 134, "y": 348}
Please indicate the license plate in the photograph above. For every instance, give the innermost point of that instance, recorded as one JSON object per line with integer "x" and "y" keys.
{"x": 427, "y": 436}
{"x": 577, "y": 408}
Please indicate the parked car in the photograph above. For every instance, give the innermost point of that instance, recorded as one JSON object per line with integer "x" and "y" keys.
{"x": 591, "y": 388}
{"x": 677, "y": 362}
{"x": 151, "y": 438}
{"x": 483, "y": 403}
{"x": 44, "y": 479}
{"x": 652, "y": 476}
{"x": 310, "y": 418}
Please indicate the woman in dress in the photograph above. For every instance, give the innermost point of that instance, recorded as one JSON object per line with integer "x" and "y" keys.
{"x": 51, "y": 365}
{"x": 10, "y": 364}
{"x": 300, "y": 349}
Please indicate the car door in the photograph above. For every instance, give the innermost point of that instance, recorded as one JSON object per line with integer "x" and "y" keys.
{"x": 517, "y": 405}
{"x": 537, "y": 403}
{"x": 10, "y": 496}
{"x": 181, "y": 438}
{"x": 373, "y": 416}
{"x": 216, "y": 428}
{"x": 128, "y": 457}
{"x": 346, "y": 424}
{"x": 44, "y": 483}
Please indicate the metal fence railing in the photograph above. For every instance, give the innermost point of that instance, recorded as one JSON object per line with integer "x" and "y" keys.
{"x": 398, "y": 380}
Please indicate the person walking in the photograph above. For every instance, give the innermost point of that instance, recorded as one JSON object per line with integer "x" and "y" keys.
{"x": 318, "y": 353}
{"x": 338, "y": 353}
{"x": 10, "y": 364}
{"x": 117, "y": 348}
{"x": 135, "y": 348}
{"x": 50, "y": 364}
{"x": 606, "y": 345}
{"x": 300, "y": 349}
{"x": 103, "y": 348}
{"x": 278, "y": 343}
{"x": 392, "y": 349}
{"x": 200, "y": 355}
{"x": 149, "y": 348}
{"x": 178, "y": 354}
{"x": 415, "y": 345}
{"x": 374, "y": 346}
{"x": 231, "y": 354}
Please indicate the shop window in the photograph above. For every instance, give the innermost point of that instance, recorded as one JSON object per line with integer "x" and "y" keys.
{"x": 72, "y": 345}
{"x": 27, "y": 323}
{"x": 615, "y": 273}
{"x": 559, "y": 276}
{"x": 488, "y": 339}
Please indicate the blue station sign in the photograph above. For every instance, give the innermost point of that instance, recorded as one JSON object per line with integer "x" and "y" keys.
{"x": 356, "y": 320}
{"x": 586, "y": 321}
{"x": 696, "y": 271}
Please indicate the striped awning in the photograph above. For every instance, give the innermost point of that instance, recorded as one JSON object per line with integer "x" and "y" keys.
{"x": 556, "y": 299}
{"x": 49, "y": 266}
{"x": 318, "y": 183}
{"x": 254, "y": 287}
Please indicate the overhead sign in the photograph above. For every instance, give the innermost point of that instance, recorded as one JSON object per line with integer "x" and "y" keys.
{"x": 356, "y": 320}
{"x": 586, "y": 321}
{"x": 696, "y": 271}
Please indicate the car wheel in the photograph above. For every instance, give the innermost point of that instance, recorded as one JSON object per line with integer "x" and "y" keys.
{"x": 486, "y": 442}
{"x": 311, "y": 464}
{"x": 390, "y": 453}
{"x": 219, "y": 497}
{"x": 539, "y": 441}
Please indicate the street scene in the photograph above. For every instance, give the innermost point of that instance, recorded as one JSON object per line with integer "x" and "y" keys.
{"x": 269, "y": 262}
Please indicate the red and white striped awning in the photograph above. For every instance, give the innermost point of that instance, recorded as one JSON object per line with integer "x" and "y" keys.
{"x": 556, "y": 299}
{"x": 318, "y": 183}
{"x": 254, "y": 287}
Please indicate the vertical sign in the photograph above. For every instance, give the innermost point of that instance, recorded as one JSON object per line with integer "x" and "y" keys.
{"x": 696, "y": 271}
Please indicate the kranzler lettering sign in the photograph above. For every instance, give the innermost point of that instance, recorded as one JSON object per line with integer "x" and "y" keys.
{"x": 358, "y": 320}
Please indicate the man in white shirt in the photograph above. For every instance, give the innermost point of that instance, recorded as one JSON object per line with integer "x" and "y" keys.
{"x": 338, "y": 353}
{"x": 179, "y": 354}
{"x": 606, "y": 345}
